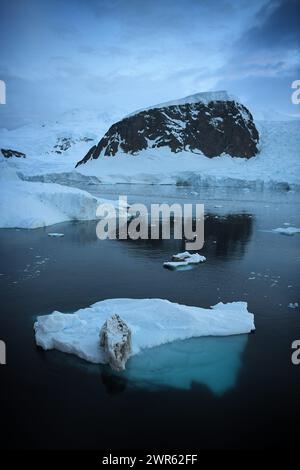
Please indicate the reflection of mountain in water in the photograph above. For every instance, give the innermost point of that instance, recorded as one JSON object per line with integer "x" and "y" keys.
{"x": 230, "y": 234}
{"x": 223, "y": 237}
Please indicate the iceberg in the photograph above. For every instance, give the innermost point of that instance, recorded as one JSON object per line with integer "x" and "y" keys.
{"x": 31, "y": 205}
{"x": 153, "y": 322}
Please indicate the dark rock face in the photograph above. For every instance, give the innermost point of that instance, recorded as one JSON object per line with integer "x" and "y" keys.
{"x": 8, "y": 153}
{"x": 115, "y": 341}
{"x": 210, "y": 128}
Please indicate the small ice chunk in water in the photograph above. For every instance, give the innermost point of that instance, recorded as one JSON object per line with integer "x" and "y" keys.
{"x": 56, "y": 234}
{"x": 184, "y": 260}
{"x": 180, "y": 265}
{"x": 187, "y": 256}
{"x": 293, "y": 305}
{"x": 286, "y": 230}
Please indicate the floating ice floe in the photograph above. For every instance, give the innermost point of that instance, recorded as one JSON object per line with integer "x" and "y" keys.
{"x": 286, "y": 230}
{"x": 153, "y": 322}
{"x": 56, "y": 234}
{"x": 293, "y": 305}
{"x": 184, "y": 260}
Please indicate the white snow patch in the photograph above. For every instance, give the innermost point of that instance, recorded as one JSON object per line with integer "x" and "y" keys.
{"x": 152, "y": 321}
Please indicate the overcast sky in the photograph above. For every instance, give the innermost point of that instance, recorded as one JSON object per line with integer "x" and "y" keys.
{"x": 56, "y": 55}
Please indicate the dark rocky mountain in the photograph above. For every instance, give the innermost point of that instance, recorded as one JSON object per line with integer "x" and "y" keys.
{"x": 205, "y": 123}
{"x": 8, "y": 153}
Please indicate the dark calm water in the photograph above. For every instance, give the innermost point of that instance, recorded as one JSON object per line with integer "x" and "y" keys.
{"x": 240, "y": 391}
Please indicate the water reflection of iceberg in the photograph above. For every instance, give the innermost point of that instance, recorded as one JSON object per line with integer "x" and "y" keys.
{"x": 211, "y": 361}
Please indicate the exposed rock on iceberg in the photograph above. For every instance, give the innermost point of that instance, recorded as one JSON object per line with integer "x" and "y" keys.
{"x": 115, "y": 339}
{"x": 152, "y": 322}
{"x": 211, "y": 124}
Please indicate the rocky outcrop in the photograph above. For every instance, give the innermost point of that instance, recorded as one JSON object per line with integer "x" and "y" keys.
{"x": 115, "y": 340}
{"x": 8, "y": 153}
{"x": 207, "y": 123}
{"x": 65, "y": 143}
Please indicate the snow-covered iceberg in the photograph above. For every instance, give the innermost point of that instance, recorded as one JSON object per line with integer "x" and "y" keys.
{"x": 31, "y": 205}
{"x": 153, "y": 322}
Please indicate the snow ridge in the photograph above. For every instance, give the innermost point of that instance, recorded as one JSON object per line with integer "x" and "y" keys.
{"x": 202, "y": 97}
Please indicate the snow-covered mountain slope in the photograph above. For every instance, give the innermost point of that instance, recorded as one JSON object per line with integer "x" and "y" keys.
{"x": 276, "y": 165}
{"x": 209, "y": 124}
{"x": 58, "y": 144}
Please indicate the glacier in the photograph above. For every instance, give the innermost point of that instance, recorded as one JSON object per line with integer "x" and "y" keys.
{"x": 32, "y": 205}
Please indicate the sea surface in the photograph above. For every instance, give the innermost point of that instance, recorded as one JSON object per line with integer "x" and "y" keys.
{"x": 234, "y": 392}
